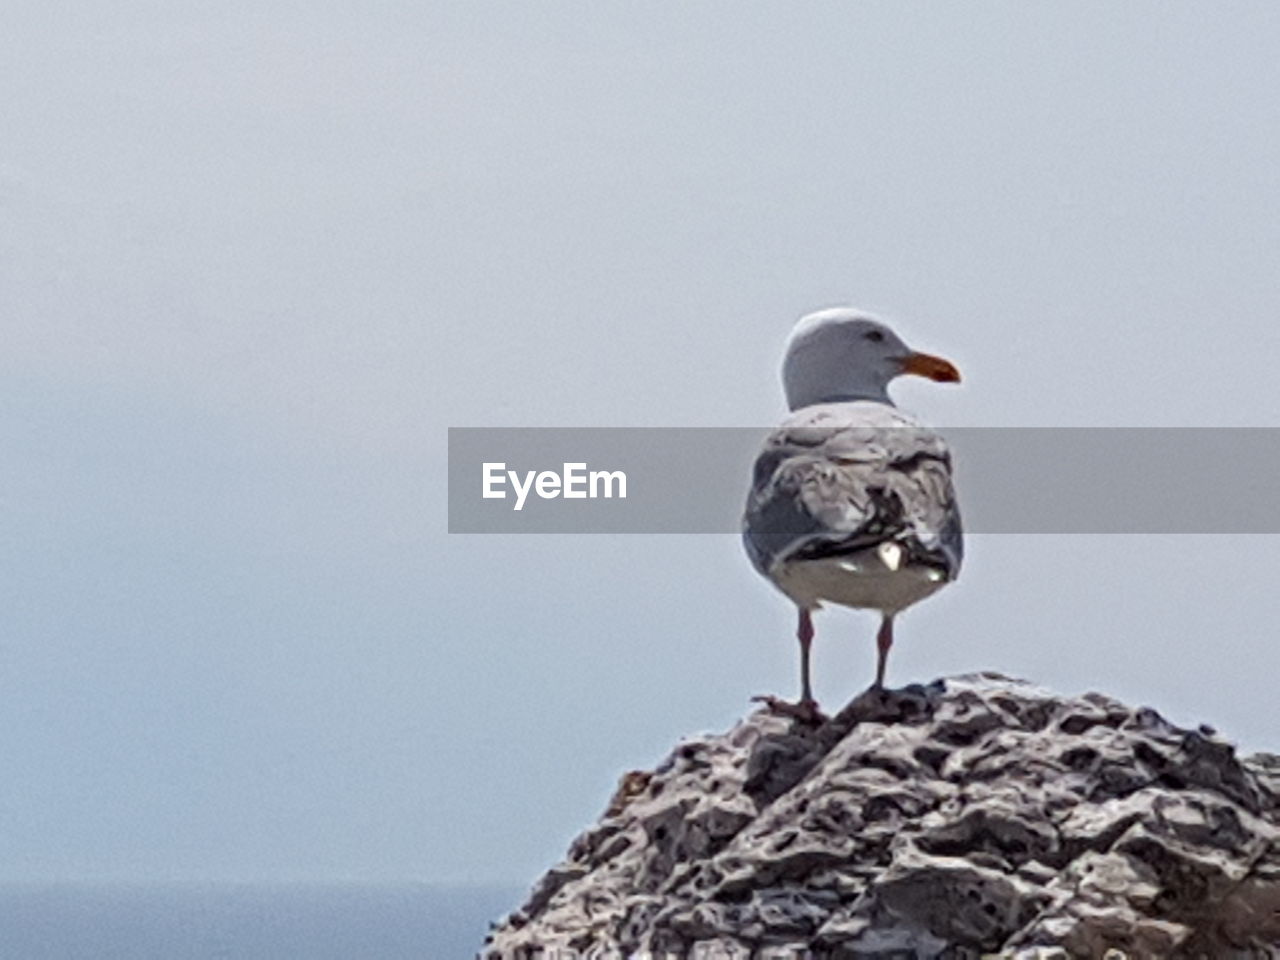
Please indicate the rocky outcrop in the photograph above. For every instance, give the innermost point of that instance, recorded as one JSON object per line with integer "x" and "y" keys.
{"x": 978, "y": 816}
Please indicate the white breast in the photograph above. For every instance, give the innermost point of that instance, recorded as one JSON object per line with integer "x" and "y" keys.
{"x": 873, "y": 579}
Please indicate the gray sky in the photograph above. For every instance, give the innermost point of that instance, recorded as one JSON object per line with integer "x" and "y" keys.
{"x": 253, "y": 262}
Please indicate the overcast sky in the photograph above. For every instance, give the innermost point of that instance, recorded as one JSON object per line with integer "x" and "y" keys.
{"x": 255, "y": 258}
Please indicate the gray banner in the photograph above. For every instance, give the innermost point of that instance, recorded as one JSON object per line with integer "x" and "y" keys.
{"x": 1008, "y": 480}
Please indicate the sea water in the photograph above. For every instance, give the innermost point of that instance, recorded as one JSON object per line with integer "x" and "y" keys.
{"x": 74, "y": 921}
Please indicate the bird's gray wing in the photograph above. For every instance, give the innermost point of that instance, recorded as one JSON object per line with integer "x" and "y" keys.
{"x": 836, "y": 481}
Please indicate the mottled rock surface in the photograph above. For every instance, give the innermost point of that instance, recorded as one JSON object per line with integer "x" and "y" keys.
{"x": 979, "y": 816}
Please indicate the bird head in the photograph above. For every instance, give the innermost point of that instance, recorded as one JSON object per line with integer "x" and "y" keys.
{"x": 845, "y": 354}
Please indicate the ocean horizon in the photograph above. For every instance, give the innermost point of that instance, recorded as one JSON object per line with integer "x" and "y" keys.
{"x": 247, "y": 921}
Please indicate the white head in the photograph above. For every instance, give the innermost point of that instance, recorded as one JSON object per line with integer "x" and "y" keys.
{"x": 844, "y": 354}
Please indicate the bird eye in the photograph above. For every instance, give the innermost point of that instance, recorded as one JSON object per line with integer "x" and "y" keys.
{"x": 875, "y": 336}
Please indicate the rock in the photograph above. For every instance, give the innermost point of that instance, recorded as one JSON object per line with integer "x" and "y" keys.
{"x": 979, "y": 816}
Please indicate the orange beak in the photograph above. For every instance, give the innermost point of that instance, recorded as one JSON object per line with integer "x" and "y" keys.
{"x": 927, "y": 365}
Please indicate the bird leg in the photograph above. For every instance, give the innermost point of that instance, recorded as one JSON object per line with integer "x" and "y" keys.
{"x": 884, "y": 640}
{"x": 806, "y": 708}
{"x": 804, "y": 633}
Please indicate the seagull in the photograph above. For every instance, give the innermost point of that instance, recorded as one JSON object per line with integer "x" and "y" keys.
{"x": 851, "y": 499}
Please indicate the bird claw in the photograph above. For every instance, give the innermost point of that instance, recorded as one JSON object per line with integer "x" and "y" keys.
{"x": 806, "y": 711}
